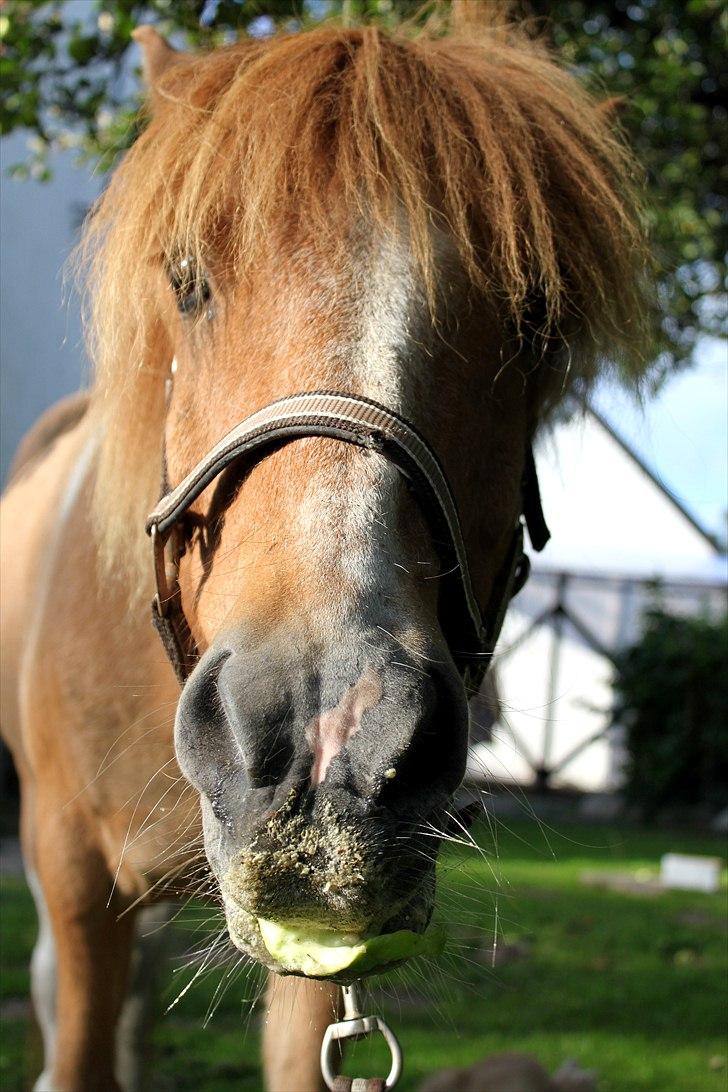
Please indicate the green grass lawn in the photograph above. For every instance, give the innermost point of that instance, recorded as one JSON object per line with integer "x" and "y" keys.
{"x": 630, "y": 985}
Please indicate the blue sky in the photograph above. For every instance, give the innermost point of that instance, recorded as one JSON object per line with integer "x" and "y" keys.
{"x": 682, "y": 433}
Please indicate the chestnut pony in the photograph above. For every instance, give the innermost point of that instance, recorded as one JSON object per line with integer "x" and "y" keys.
{"x": 442, "y": 222}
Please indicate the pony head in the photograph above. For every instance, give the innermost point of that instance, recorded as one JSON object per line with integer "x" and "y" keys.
{"x": 443, "y": 223}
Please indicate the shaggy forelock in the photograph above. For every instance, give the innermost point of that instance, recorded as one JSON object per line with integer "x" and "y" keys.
{"x": 478, "y": 132}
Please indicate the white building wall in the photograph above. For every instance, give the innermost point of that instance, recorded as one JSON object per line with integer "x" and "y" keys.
{"x": 605, "y": 513}
{"x": 41, "y": 345}
{"x": 619, "y": 545}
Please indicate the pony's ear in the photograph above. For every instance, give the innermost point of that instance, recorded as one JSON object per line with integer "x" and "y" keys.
{"x": 613, "y": 108}
{"x": 158, "y": 54}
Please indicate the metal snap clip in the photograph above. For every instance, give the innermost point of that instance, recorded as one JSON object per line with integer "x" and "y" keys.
{"x": 356, "y": 1026}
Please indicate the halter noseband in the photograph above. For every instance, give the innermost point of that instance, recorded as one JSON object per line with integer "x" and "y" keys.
{"x": 360, "y": 421}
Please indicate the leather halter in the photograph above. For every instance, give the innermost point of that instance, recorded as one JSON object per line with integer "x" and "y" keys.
{"x": 360, "y": 421}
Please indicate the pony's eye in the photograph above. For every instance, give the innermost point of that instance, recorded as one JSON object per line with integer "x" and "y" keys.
{"x": 190, "y": 287}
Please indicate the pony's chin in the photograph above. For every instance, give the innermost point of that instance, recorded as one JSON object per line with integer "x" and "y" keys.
{"x": 343, "y": 957}
{"x": 245, "y": 934}
{"x": 320, "y": 953}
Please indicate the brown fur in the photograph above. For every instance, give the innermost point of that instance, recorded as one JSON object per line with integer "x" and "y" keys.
{"x": 67, "y": 722}
{"x": 479, "y": 131}
{"x": 59, "y": 419}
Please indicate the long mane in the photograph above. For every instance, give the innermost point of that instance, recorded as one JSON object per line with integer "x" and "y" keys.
{"x": 478, "y": 130}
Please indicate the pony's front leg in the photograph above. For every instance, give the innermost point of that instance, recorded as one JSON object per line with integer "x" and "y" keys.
{"x": 92, "y": 949}
{"x": 298, "y": 1012}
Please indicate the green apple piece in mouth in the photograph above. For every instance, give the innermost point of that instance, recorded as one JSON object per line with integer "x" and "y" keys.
{"x": 321, "y": 953}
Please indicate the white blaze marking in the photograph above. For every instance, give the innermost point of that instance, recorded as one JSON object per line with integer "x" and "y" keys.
{"x": 360, "y": 495}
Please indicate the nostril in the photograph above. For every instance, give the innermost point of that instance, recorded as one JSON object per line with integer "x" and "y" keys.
{"x": 270, "y": 759}
{"x": 261, "y": 727}
{"x": 199, "y": 712}
{"x": 206, "y": 751}
{"x": 434, "y": 756}
{"x": 409, "y": 746}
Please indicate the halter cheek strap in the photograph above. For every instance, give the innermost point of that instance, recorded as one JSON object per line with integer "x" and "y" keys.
{"x": 366, "y": 424}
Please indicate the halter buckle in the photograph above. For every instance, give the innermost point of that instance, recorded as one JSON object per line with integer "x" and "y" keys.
{"x": 161, "y": 598}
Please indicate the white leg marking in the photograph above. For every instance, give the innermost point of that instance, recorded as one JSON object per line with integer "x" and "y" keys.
{"x": 43, "y": 982}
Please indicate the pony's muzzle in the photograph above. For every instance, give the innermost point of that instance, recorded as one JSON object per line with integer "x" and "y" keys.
{"x": 322, "y": 778}
{"x": 384, "y": 726}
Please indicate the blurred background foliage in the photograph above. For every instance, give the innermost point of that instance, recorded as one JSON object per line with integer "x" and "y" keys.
{"x": 672, "y": 698}
{"x": 68, "y": 71}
